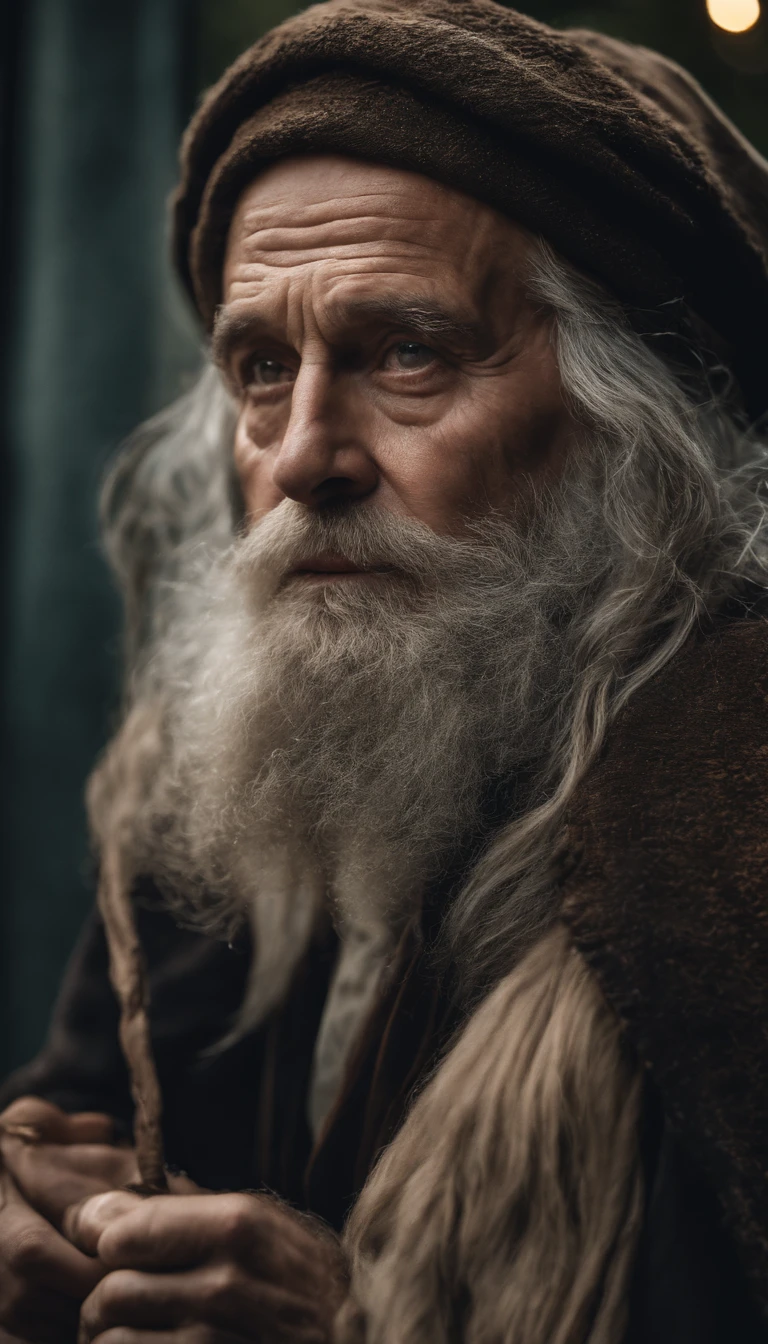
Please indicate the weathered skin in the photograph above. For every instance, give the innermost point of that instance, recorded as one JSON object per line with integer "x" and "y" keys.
{"x": 339, "y": 400}
{"x": 43, "y": 1278}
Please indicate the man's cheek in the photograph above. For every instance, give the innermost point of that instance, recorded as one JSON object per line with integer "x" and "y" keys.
{"x": 426, "y": 472}
{"x": 253, "y": 462}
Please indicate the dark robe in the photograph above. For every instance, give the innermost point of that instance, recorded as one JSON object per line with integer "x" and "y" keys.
{"x": 664, "y": 878}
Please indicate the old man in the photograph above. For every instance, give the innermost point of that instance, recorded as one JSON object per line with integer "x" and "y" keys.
{"x": 446, "y": 677}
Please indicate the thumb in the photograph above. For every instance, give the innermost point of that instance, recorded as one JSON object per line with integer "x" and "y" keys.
{"x": 84, "y": 1222}
{"x": 90, "y": 1127}
{"x": 34, "y": 1120}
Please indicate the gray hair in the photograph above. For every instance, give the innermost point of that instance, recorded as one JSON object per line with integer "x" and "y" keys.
{"x": 683, "y": 487}
{"x": 681, "y": 483}
{"x": 168, "y": 499}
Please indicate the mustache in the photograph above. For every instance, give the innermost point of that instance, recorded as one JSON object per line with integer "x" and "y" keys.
{"x": 371, "y": 537}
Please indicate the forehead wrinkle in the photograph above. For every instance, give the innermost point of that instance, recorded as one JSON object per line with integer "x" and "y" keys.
{"x": 336, "y": 297}
{"x": 297, "y": 247}
{"x": 271, "y": 311}
{"x": 279, "y": 242}
{"x": 354, "y": 206}
{"x": 319, "y": 281}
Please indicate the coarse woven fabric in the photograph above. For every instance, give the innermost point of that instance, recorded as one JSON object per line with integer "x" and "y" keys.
{"x": 612, "y": 153}
{"x": 666, "y": 894}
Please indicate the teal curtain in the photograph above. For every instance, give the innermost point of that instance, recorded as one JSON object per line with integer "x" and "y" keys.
{"x": 96, "y": 339}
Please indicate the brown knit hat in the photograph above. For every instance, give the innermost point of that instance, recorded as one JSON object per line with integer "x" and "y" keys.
{"x": 612, "y": 153}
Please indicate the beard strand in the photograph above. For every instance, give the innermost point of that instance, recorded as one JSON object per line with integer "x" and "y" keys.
{"x": 333, "y": 745}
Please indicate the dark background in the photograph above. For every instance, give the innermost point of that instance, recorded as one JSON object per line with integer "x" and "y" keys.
{"x": 95, "y": 337}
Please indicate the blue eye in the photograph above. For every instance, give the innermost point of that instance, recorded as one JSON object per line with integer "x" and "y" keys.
{"x": 269, "y": 372}
{"x": 409, "y": 355}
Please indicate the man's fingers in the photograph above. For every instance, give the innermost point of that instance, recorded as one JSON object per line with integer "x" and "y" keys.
{"x": 216, "y": 1295}
{"x": 130, "y": 1297}
{"x": 85, "y": 1221}
{"x": 58, "y": 1159}
{"x": 35, "y": 1253}
{"x": 177, "y": 1231}
{"x": 180, "y": 1231}
{"x": 41, "y": 1121}
{"x": 91, "y": 1127}
{"x": 52, "y": 1177}
{"x": 53, "y": 1125}
{"x": 217, "y": 1261}
{"x": 38, "y": 1117}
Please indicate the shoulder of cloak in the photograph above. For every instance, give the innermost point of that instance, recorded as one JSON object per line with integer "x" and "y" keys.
{"x": 666, "y": 896}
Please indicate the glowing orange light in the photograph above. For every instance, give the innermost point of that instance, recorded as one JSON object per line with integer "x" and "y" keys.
{"x": 735, "y": 16}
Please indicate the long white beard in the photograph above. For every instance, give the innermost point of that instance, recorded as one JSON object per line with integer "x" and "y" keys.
{"x": 334, "y": 744}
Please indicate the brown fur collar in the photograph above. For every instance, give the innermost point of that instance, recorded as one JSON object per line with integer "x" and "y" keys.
{"x": 666, "y": 896}
{"x": 508, "y": 1206}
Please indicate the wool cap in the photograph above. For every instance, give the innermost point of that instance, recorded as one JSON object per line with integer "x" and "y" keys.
{"x": 610, "y": 152}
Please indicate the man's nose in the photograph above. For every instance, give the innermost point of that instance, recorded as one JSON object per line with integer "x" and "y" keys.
{"x": 323, "y": 455}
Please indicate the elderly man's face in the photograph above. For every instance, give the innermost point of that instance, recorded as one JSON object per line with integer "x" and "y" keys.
{"x": 378, "y": 334}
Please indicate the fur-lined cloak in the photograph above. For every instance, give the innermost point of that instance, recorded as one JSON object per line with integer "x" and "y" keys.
{"x": 665, "y": 894}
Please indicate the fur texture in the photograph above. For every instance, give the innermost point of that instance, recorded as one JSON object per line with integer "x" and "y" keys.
{"x": 665, "y": 875}
{"x": 508, "y": 1206}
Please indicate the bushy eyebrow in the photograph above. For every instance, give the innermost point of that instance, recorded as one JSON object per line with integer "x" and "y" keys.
{"x": 428, "y": 320}
{"x": 230, "y": 331}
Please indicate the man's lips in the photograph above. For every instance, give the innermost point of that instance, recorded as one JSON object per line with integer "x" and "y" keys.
{"x": 331, "y": 566}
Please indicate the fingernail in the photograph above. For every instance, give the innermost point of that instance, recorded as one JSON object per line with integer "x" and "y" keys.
{"x": 70, "y": 1221}
{"x": 84, "y": 1222}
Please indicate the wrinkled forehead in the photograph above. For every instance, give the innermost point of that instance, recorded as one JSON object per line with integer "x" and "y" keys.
{"x": 341, "y": 218}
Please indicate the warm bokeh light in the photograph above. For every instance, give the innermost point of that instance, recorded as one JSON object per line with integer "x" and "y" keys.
{"x": 735, "y": 16}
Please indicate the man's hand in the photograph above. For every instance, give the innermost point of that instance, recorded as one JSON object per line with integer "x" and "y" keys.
{"x": 207, "y": 1269}
{"x": 49, "y": 1161}
{"x": 57, "y": 1159}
